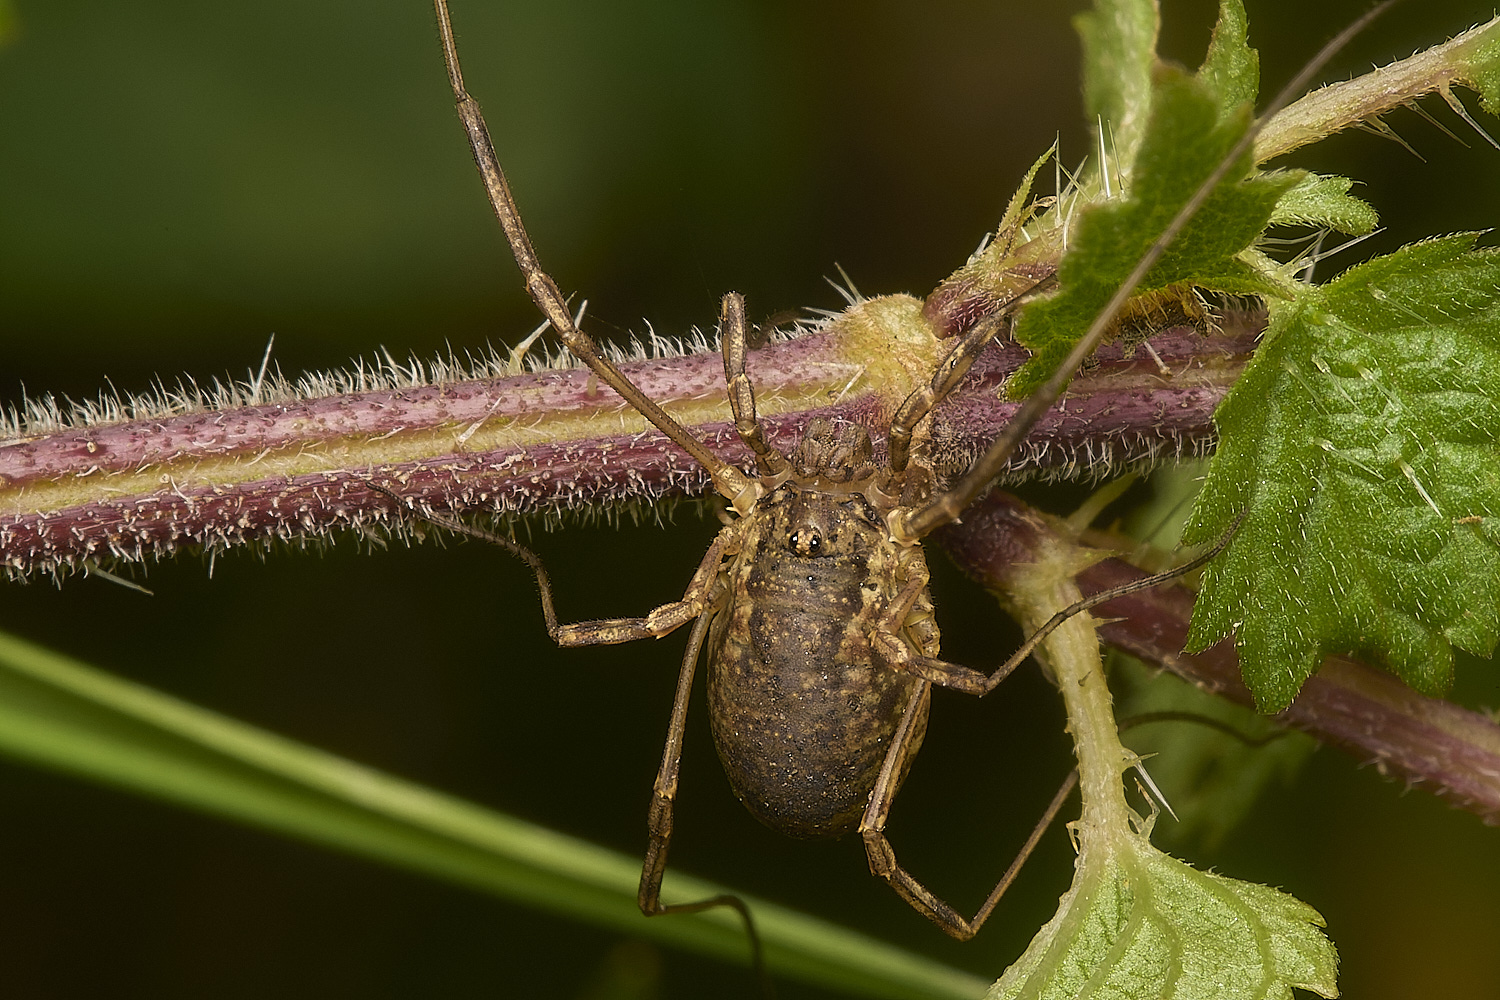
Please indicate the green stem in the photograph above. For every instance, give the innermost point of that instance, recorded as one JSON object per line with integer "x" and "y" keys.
{"x": 1467, "y": 60}
{"x": 1036, "y": 591}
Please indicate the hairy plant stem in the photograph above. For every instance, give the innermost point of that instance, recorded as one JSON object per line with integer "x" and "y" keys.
{"x": 1364, "y": 99}
{"x": 1033, "y": 591}
{"x": 192, "y": 471}
{"x": 1452, "y": 751}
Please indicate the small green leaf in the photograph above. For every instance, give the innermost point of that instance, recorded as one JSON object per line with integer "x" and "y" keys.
{"x": 1364, "y": 443}
{"x": 1015, "y": 210}
{"x": 1324, "y": 203}
{"x": 1183, "y": 144}
{"x": 1481, "y": 66}
{"x": 1145, "y": 926}
{"x": 1232, "y": 67}
{"x": 1119, "y": 52}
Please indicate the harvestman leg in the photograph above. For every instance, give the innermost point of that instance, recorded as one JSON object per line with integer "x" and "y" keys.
{"x": 729, "y": 481}
{"x": 664, "y": 802}
{"x": 701, "y": 601}
{"x": 882, "y": 856}
{"x": 659, "y": 622}
{"x": 694, "y": 604}
{"x": 768, "y": 461}
{"x": 891, "y": 649}
{"x": 950, "y": 371}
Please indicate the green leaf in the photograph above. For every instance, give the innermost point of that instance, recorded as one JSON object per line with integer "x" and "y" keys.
{"x": 1145, "y": 926}
{"x": 1232, "y": 67}
{"x": 1015, "y": 209}
{"x": 1481, "y": 67}
{"x": 1119, "y": 53}
{"x": 1364, "y": 443}
{"x": 1324, "y": 203}
{"x": 1184, "y": 142}
{"x": 59, "y": 714}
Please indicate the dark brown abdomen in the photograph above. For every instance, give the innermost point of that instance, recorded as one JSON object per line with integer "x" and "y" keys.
{"x": 802, "y": 718}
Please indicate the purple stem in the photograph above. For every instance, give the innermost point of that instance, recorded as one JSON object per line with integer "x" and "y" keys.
{"x": 1425, "y": 741}
{"x": 140, "y": 488}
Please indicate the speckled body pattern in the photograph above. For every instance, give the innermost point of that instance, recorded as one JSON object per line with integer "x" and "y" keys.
{"x": 802, "y": 711}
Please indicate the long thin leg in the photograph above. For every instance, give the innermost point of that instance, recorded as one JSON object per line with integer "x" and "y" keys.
{"x": 893, "y": 650}
{"x": 741, "y": 391}
{"x": 608, "y": 631}
{"x": 950, "y": 371}
{"x": 695, "y": 601}
{"x": 882, "y": 856}
{"x": 1094, "y": 600}
{"x": 942, "y": 509}
{"x": 1253, "y": 742}
{"x": 663, "y": 803}
{"x": 729, "y": 481}
{"x": 700, "y": 602}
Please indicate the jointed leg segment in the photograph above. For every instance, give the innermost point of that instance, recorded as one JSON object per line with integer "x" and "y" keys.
{"x": 729, "y": 481}
{"x": 892, "y": 649}
{"x": 663, "y": 805}
{"x": 694, "y": 603}
{"x": 741, "y": 392}
{"x": 701, "y": 601}
{"x": 882, "y": 857}
{"x": 659, "y": 622}
{"x": 954, "y": 366}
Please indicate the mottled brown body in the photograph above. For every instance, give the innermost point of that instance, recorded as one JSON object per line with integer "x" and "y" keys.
{"x": 802, "y": 713}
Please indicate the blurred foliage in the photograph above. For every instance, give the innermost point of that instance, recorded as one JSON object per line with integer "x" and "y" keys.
{"x": 179, "y": 181}
{"x": 1211, "y": 758}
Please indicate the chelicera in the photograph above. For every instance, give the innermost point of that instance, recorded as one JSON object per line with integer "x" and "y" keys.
{"x": 812, "y": 602}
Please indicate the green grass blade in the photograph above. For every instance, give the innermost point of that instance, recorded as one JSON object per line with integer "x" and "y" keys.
{"x": 60, "y": 714}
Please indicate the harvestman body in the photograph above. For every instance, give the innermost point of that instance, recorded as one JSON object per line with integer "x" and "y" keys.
{"x": 813, "y": 603}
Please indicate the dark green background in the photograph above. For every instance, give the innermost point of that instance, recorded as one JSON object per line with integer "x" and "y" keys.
{"x": 179, "y": 181}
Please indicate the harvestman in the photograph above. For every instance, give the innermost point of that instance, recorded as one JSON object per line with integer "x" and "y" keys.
{"x": 813, "y": 603}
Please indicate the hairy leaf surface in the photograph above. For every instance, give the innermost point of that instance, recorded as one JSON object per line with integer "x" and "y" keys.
{"x": 1184, "y": 141}
{"x": 1364, "y": 444}
{"x": 1232, "y": 67}
{"x": 1325, "y": 202}
{"x": 1146, "y": 926}
{"x": 1119, "y": 51}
